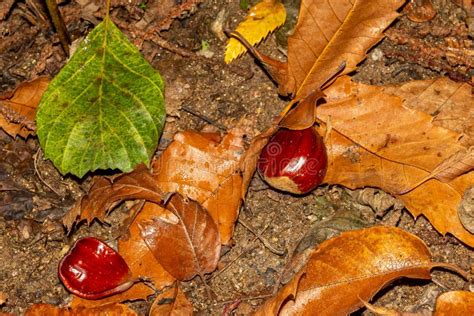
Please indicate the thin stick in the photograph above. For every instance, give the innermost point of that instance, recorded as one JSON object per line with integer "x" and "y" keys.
{"x": 35, "y": 163}
{"x": 59, "y": 25}
{"x": 204, "y": 118}
{"x": 262, "y": 239}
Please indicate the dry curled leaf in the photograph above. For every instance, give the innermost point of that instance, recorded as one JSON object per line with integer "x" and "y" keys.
{"x": 106, "y": 310}
{"x": 455, "y": 303}
{"x": 205, "y": 168}
{"x": 466, "y": 210}
{"x": 351, "y": 267}
{"x": 105, "y": 192}
{"x": 18, "y": 108}
{"x": 186, "y": 242}
{"x": 420, "y": 10}
{"x": 376, "y": 141}
{"x": 261, "y": 19}
{"x": 172, "y": 302}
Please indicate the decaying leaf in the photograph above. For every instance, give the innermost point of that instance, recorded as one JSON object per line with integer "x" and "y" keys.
{"x": 351, "y": 267}
{"x": 106, "y": 310}
{"x": 261, "y": 19}
{"x": 18, "y": 108}
{"x": 185, "y": 241}
{"x": 420, "y": 10}
{"x": 172, "y": 302}
{"x": 466, "y": 210}
{"x": 205, "y": 168}
{"x": 455, "y": 303}
{"x": 376, "y": 141}
{"x": 105, "y": 192}
{"x": 136, "y": 253}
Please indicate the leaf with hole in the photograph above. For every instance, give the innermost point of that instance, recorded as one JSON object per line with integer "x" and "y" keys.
{"x": 105, "y": 108}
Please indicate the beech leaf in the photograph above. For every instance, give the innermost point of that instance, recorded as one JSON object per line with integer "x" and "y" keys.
{"x": 172, "y": 302}
{"x": 107, "y": 310}
{"x": 352, "y": 267}
{"x": 261, "y": 19}
{"x": 454, "y": 303}
{"x": 18, "y": 108}
{"x": 105, "y": 108}
{"x": 187, "y": 243}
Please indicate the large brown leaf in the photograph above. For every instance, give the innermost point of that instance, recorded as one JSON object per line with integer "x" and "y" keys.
{"x": 172, "y": 302}
{"x": 455, "y": 303}
{"x": 186, "y": 241}
{"x": 107, "y": 310}
{"x": 351, "y": 267}
{"x": 17, "y": 109}
{"x": 331, "y": 32}
{"x": 205, "y": 168}
{"x": 376, "y": 141}
{"x": 105, "y": 192}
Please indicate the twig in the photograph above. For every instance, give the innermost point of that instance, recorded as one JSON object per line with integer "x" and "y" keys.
{"x": 59, "y": 25}
{"x": 262, "y": 239}
{"x": 35, "y": 163}
{"x": 251, "y": 298}
{"x": 204, "y": 118}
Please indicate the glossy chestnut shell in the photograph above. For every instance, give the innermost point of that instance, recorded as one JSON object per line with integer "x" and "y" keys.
{"x": 92, "y": 270}
{"x": 294, "y": 161}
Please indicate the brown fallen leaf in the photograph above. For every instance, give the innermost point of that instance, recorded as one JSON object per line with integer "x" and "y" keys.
{"x": 351, "y": 267}
{"x": 420, "y": 10}
{"x": 376, "y": 141}
{"x": 138, "y": 292}
{"x": 455, "y": 303}
{"x": 172, "y": 302}
{"x": 106, "y": 310}
{"x": 186, "y": 243}
{"x": 447, "y": 101}
{"x": 138, "y": 256}
{"x": 205, "y": 168}
{"x": 18, "y": 108}
{"x": 466, "y": 210}
{"x": 105, "y": 192}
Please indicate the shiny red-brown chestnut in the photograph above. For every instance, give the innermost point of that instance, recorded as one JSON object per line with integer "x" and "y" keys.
{"x": 294, "y": 161}
{"x": 93, "y": 270}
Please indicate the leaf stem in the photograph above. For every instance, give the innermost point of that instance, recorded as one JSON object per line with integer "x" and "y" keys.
{"x": 107, "y": 8}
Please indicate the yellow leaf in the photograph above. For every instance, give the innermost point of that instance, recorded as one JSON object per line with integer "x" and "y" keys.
{"x": 261, "y": 19}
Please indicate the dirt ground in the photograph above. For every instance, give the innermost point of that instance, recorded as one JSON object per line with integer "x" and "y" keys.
{"x": 34, "y": 196}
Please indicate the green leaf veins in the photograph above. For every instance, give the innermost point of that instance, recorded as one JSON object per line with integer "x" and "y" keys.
{"x": 105, "y": 108}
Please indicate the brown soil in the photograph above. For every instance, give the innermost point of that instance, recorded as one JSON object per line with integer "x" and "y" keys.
{"x": 32, "y": 240}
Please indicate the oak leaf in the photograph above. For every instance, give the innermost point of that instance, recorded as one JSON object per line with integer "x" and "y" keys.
{"x": 205, "y": 168}
{"x": 375, "y": 141}
{"x": 106, "y": 310}
{"x": 455, "y": 303}
{"x": 172, "y": 302}
{"x": 351, "y": 267}
{"x": 185, "y": 240}
{"x": 18, "y": 108}
{"x": 261, "y": 19}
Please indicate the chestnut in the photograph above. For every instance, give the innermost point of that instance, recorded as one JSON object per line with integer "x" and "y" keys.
{"x": 294, "y": 161}
{"x": 93, "y": 270}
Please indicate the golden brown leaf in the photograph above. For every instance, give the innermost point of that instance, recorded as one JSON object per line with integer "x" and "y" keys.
{"x": 261, "y": 19}
{"x": 449, "y": 102}
{"x": 136, "y": 253}
{"x": 205, "y": 169}
{"x": 106, "y": 310}
{"x": 351, "y": 267}
{"x": 420, "y": 10}
{"x": 172, "y": 302}
{"x": 329, "y": 33}
{"x": 455, "y": 303}
{"x": 105, "y": 192}
{"x": 186, "y": 244}
{"x": 375, "y": 141}
{"x": 18, "y": 108}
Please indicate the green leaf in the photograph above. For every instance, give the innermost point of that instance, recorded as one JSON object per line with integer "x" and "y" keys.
{"x": 105, "y": 108}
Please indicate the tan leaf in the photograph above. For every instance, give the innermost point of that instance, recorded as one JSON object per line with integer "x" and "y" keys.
{"x": 105, "y": 192}
{"x": 205, "y": 168}
{"x": 138, "y": 256}
{"x": 172, "y": 302}
{"x": 261, "y": 19}
{"x": 420, "y": 10}
{"x": 18, "y": 108}
{"x": 449, "y": 102}
{"x": 106, "y": 310}
{"x": 138, "y": 291}
{"x": 455, "y": 303}
{"x": 375, "y": 141}
{"x": 186, "y": 244}
{"x": 355, "y": 266}
{"x": 329, "y": 33}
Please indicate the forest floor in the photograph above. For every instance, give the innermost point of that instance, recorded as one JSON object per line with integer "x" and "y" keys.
{"x": 32, "y": 239}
